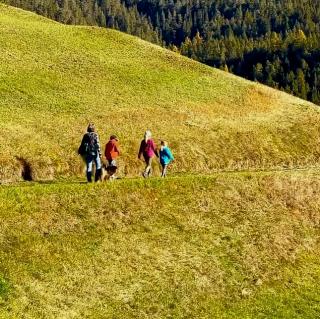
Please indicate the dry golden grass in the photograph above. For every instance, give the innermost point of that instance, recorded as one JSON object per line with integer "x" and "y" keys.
{"x": 228, "y": 245}
{"x": 54, "y": 79}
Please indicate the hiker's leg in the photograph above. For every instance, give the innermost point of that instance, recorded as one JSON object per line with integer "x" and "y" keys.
{"x": 150, "y": 166}
{"x": 98, "y": 168}
{"x": 89, "y": 161}
{"x": 89, "y": 177}
{"x": 164, "y": 170}
{"x": 146, "y": 159}
{"x": 147, "y": 170}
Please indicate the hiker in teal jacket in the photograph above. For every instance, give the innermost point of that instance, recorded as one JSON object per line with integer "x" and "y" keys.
{"x": 166, "y": 157}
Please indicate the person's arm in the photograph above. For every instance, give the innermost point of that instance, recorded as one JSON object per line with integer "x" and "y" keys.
{"x": 170, "y": 155}
{"x": 154, "y": 147}
{"x": 81, "y": 147}
{"x": 117, "y": 148}
{"x": 98, "y": 144}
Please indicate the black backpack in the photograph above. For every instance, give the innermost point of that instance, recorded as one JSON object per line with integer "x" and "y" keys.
{"x": 89, "y": 145}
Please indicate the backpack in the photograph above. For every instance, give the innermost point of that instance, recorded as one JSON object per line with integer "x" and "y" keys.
{"x": 93, "y": 146}
{"x": 89, "y": 145}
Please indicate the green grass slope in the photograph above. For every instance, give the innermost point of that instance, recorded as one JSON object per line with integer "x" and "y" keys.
{"x": 225, "y": 246}
{"x": 54, "y": 79}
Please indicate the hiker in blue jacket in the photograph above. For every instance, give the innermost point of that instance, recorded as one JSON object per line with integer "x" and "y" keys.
{"x": 166, "y": 157}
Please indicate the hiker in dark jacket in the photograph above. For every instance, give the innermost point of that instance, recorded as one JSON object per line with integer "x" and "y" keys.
{"x": 90, "y": 151}
{"x": 148, "y": 149}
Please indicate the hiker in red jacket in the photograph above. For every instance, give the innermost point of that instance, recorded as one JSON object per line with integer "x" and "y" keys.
{"x": 148, "y": 149}
{"x": 111, "y": 153}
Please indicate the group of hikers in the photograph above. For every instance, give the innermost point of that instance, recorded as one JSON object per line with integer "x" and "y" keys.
{"x": 90, "y": 150}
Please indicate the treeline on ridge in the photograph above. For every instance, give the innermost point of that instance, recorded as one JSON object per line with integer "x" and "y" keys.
{"x": 275, "y": 42}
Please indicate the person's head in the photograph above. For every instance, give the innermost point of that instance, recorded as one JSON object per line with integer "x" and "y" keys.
{"x": 163, "y": 144}
{"x": 113, "y": 137}
{"x": 147, "y": 135}
{"x": 91, "y": 128}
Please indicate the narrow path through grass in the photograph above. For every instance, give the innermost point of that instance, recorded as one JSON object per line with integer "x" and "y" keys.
{"x": 313, "y": 169}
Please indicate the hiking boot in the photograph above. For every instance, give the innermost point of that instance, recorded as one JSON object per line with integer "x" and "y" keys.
{"x": 98, "y": 175}
{"x": 89, "y": 177}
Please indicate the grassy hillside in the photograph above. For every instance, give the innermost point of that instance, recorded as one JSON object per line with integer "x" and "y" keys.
{"x": 55, "y": 78}
{"x": 226, "y": 246}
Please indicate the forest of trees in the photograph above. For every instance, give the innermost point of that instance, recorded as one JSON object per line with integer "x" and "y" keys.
{"x": 276, "y": 42}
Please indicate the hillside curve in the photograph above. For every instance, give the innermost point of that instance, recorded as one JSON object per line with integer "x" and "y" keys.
{"x": 54, "y": 79}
